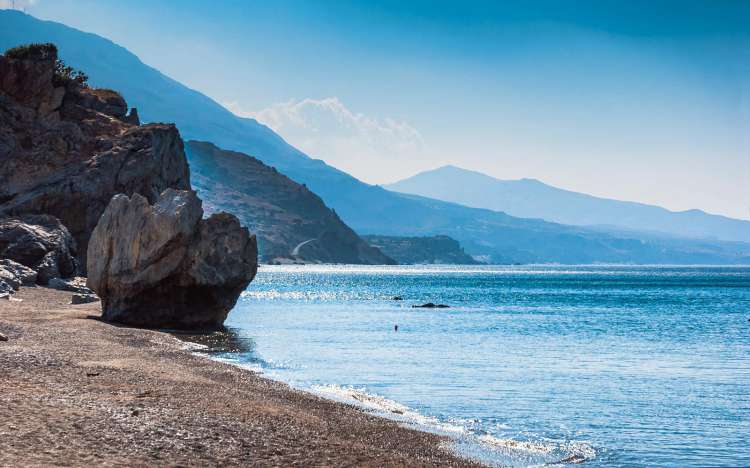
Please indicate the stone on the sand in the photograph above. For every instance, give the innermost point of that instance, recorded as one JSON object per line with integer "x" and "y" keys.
{"x": 39, "y": 242}
{"x": 5, "y": 289}
{"x": 76, "y": 284}
{"x": 3, "y": 337}
{"x": 163, "y": 266}
{"x": 83, "y": 298}
{"x": 14, "y": 274}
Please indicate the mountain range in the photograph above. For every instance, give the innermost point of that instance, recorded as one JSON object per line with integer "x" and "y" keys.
{"x": 531, "y": 198}
{"x": 488, "y": 235}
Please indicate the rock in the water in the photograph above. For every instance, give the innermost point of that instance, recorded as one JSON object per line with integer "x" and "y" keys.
{"x": 41, "y": 243}
{"x": 163, "y": 266}
{"x": 84, "y": 298}
{"x": 76, "y": 285}
{"x": 431, "y": 305}
{"x": 67, "y": 149}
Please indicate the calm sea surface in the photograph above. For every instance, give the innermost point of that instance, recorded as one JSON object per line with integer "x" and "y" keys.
{"x": 620, "y": 366}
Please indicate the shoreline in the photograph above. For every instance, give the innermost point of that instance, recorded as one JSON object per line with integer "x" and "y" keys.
{"x": 78, "y": 391}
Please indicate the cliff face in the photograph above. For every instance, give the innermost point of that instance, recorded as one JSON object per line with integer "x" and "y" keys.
{"x": 422, "y": 250}
{"x": 66, "y": 149}
{"x": 290, "y": 221}
{"x": 79, "y": 174}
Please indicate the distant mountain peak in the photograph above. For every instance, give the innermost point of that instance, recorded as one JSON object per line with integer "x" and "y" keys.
{"x": 532, "y": 198}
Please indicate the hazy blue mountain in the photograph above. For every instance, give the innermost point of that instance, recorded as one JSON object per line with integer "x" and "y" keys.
{"x": 530, "y": 198}
{"x": 368, "y": 209}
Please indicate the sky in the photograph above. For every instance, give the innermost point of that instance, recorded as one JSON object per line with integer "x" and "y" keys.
{"x": 635, "y": 100}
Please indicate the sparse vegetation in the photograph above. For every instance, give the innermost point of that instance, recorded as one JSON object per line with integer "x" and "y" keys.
{"x": 39, "y": 52}
{"x": 65, "y": 73}
{"x": 48, "y": 51}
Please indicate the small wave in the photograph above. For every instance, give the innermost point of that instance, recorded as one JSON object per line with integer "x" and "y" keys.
{"x": 538, "y": 453}
{"x": 385, "y": 407}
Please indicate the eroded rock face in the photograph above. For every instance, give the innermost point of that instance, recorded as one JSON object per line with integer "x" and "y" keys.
{"x": 39, "y": 242}
{"x": 163, "y": 266}
{"x": 67, "y": 149}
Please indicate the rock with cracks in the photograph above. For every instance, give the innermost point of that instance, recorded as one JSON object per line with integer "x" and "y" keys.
{"x": 39, "y": 242}
{"x": 163, "y": 266}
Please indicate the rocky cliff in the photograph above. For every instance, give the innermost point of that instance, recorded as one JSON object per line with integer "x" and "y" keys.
{"x": 74, "y": 162}
{"x": 422, "y": 250}
{"x": 291, "y": 222}
{"x": 66, "y": 149}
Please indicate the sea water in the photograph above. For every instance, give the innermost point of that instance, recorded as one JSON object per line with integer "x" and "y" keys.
{"x": 607, "y": 365}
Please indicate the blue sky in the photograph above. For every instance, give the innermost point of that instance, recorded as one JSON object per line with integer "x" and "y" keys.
{"x": 645, "y": 101}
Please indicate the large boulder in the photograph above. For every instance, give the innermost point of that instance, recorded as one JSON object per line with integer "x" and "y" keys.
{"x": 39, "y": 242}
{"x": 163, "y": 266}
{"x": 67, "y": 149}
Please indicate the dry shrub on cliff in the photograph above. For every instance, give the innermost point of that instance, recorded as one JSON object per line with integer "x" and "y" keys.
{"x": 48, "y": 51}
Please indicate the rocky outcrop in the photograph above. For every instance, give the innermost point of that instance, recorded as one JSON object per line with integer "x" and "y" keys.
{"x": 82, "y": 184}
{"x": 39, "y": 242}
{"x": 292, "y": 223}
{"x": 164, "y": 266}
{"x": 67, "y": 149}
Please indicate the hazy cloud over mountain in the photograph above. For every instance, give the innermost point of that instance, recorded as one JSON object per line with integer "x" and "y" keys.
{"x": 327, "y": 129}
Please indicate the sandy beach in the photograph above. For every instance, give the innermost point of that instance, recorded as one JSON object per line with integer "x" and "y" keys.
{"x": 76, "y": 391}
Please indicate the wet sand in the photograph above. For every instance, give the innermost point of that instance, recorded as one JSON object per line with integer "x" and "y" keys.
{"x": 76, "y": 391}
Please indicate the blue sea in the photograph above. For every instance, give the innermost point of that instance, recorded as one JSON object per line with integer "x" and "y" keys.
{"x": 534, "y": 365}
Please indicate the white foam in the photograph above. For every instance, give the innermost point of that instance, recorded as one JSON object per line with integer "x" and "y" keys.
{"x": 385, "y": 407}
{"x": 549, "y": 450}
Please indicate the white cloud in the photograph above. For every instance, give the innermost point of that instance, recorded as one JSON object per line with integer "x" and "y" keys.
{"x": 16, "y": 4}
{"x": 359, "y": 144}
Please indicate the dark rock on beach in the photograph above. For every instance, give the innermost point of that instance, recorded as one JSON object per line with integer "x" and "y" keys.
{"x": 162, "y": 266}
{"x": 39, "y": 242}
{"x": 83, "y": 298}
{"x": 15, "y": 274}
{"x": 76, "y": 285}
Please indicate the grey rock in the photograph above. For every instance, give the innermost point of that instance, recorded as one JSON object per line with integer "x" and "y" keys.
{"x": 162, "y": 266}
{"x": 3, "y": 337}
{"x": 16, "y": 274}
{"x": 39, "y": 242}
{"x": 6, "y": 289}
{"x": 76, "y": 285}
{"x": 132, "y": 118}
{"x": 84, "y": 298}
